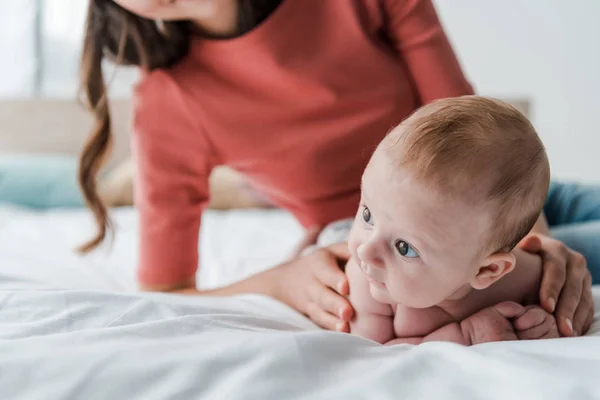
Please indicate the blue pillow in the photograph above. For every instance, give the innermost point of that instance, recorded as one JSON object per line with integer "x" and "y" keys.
{"x": 39, "y": 181}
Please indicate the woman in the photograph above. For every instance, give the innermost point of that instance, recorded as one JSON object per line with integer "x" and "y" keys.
{"x": 294, "y": 94}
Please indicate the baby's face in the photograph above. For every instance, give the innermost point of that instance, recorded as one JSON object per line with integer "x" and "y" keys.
{"x": 416, "y": 247}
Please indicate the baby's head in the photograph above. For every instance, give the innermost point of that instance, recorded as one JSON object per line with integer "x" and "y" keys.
{"x": 445, "y": 198}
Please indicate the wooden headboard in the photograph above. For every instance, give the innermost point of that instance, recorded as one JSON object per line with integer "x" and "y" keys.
{"x": 62, "y": 126}
{"x": 58, "y": 127}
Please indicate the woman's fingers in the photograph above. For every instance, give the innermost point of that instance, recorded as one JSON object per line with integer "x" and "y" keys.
{"x": 328, "y": 272}
{"x": 340, "y": 250}
{"x": 566, "y": 284}
{"x": 330, "y": 301}
{"x": 567, "y": 305}
{"x": 324, "y": 319}
{"x": 584, "y": 315}
{"x": 309, "y": 239}
{"x": 309, "y": 285}
{"x": 571, "y": 294}
{"x": 329, "y": 275}
{"x": 588, "y": 323}
{"x": 554, "y": 260}
{"x": 553, "y": 280}
{"x": 531, "y": 243}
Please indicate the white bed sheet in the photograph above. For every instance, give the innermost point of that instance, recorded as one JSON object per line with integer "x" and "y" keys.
{"x": 73, "y": 327}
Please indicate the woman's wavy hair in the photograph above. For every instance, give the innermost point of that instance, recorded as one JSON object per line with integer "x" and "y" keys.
{"x": 127, "y": 39}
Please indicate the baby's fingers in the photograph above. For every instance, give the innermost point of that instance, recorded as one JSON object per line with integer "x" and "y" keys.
{"x": 546, "y": 330}
{"x": 537, "y": 332}
{"x": 509, "y": 309}
{"x": 531, "y": 318}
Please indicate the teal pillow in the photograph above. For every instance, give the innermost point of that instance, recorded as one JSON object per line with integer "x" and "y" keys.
{"x": 39, "y": 181}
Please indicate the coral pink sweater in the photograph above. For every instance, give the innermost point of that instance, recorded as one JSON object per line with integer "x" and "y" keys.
{"x": 297, "y": 105}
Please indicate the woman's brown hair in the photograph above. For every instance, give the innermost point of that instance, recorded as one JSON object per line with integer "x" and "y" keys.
{"x": 127, "y": 39}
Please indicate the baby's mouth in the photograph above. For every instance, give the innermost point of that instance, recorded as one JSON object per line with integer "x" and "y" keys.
{"x": 376, "y": 283}
{"x": 365, "y": 269}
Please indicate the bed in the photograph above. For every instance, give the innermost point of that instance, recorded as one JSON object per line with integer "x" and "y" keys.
{"x": 74, "y": 327}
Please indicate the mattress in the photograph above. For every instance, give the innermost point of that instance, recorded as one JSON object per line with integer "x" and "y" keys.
{"x": 75, "y": 327}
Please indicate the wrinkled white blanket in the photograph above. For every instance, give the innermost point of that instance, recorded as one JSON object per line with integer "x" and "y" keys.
{"x": 73, "y": 327}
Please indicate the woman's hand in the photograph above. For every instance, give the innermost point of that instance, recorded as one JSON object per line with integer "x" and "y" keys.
{"x": 566, "y": 288}
{"x": 316, "y": 286}
{"x": 310, "y": 239}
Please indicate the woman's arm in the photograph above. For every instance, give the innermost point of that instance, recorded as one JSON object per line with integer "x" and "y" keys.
{"x": 314, "y": 285}
{"x": 262, "y": 283}
{"x": 541, "y": 225}
{"x": 417, "y": 35}
{"x": 173, "y": 161}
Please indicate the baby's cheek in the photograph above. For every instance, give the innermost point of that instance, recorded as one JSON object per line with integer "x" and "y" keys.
{"x": 439, "y": 288}
{"x": 413, "y": 291}
{"x": 399, "y": 286}
{"x": 353, "y": 241}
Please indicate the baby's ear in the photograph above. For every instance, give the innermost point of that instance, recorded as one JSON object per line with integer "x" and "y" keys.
{"x": 494, "y": 267}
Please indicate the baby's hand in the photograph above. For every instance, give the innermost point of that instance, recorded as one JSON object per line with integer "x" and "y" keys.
{"x": 492, "y": 324}
{"x": 536, "y": 323}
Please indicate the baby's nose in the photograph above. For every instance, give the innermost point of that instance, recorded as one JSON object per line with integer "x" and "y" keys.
{"x": 369, "y": 254}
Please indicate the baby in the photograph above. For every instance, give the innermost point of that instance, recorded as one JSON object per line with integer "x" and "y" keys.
{"x": 446, "y": 196}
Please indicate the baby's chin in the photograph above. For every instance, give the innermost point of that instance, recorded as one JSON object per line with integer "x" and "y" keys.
{"x": 381, "y": 294}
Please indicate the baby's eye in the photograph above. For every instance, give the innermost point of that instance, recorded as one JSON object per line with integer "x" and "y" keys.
{"x": 405, "y": 249}
{"x": 366, "y": 215}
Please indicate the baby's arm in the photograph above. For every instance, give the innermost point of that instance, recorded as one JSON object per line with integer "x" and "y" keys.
{"x": 453, "y": 332}
{"x": 372, "y": 320}
{"x": 488, "y": 325}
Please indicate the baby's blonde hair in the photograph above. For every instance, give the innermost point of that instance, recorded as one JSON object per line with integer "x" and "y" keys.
{"x": 480, "y": 149}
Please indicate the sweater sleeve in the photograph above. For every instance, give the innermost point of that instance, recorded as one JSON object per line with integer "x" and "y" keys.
{"x": 173, "y": 164}
{"x": 417, "y": 34}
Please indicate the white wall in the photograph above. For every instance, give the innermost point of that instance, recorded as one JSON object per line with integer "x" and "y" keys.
{"x": 63, "y": 29}
{"x": 544, "y": 50}
{"x": 62, "y": 26}
{"x": 17, "y": 48}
